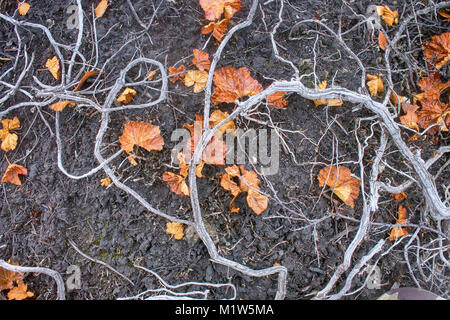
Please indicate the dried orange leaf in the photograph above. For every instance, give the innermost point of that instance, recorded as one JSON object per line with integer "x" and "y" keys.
{"x": 201, "y": 60}
{"x": 198, "y": 170}
{"x": 340, "y": 180}
{"x": 277, "y": 100}
{"x": 410, "y": 118}
{"x": 184, "y": 168}
{"x": 105, "y": 182}
{"x": 12, "y": 172}
{"x": 176, "y": 183}
{"x": 431, "y": 87}
{"x": 86, "y": 76}
{"x": 257, "y": 201}
{"x": 176, "y": 229}
{"x": 126, "y": 95}
{"x": 432, "y": 112}
{"x": 398, "y": 232}
{"x": 54, "y": 67}
{"x": 7, "y": 278}
{"x": 396, "y": 99}
{"x": 217, "y": 117}
{"x": 232, "y": 84}
{"x": 9, "y": 142}
{"x": 399, "y": 196}
{"x": 19, "y": 292}
{"x": 329, "y": 102}
{"x": 23, "y": 8}
{"x": 445, "y": 14}
{"x": 389, "y": 16}
{"x": 59, "y": 106}
{"x": 214, "y": 8}
{"x": 437, "y": 50}
{"x": 101, "y": 8}
{"x": 215, "y": 152}
{"x": 11, "y": 124}
{"x": 382, "y": 41}
{"x": 197, "y": 79}
{"x": 375, "y": 85}
{"x": 218, "y": 29}
{"x": 142, "y": 134}
{"x": 173, "y": 70}
{"x": 150, "y": 75}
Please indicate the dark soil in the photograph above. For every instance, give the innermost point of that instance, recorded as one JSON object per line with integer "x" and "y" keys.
{"x": 38, "y": 218}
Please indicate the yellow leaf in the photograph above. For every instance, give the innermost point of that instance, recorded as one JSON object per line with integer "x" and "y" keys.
{"x": 9, "y": 142}
{"x": 23, "y": 8}
{"x": 101, "y": 8}
{"x": 389, "y": 16}
{"x": 197, "y": 79}
{"x": 126, "y": 95}
{"x": 105, "y": 182}
{"x": 20, "y": 292}
{"x": 53, "y": 66}
{"x": 375, "y": 85}
{"x": 329, "y": 102}
{"x": 176, "y": 229}
{"x": 12, "y": 172}
{"x": 344, "y": 185}
{"x": 59, "y": 106}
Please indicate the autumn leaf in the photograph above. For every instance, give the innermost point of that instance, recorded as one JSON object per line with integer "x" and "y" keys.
{"x": 218, "y": 116}
{"x": 396, "y": 98}
{"x": 248, "y": 182}
{"x": 176, "y": 183}
{"x": 201, "y": 60}
{"x": 375, "y": 85}
{"x": 214, "y": 8}
{"x": 432, "y": 112}
{"x": 7, "y": 278}
{"x": 431, "y": 87}
{"x": 197, "y": 79}
{"x": 126, "y": 95}
{"x": 86, "y": 76}
{"x": 176, "y": 229}
{"x": 232, "y": 84}
{"x": 173, "y": 70}
{"x": 342, "y": 183}
{"x": 101, "y": 8}
{"x": 184, "y": 168}
{"x": 105, "y": 182}
{"x": 382, "y": 41}
{"x": 389, "y": 16}
{"x": 150, "y": 75}
{"x": 437, "y": 50}
{"x": 218, "y": 29}
{"x": 23, "y": 8}
{"x": 445, "y": 14}
{"x": 277, "y": 100}
{"x": 9, "y": 139}
{"x": 12, "y": 172}
{"x": 54, "y": 67}
{"x": 329, "y": 102}
{"x": 398, "y": 232}
{"x": 19, "y": 292}
{"x": 399, "y": 196}
{"x": 410, "y": 119}
{"x": 198, "y": 170}
{"x": 59, "y": 106}
{"x": 140, "y": 134}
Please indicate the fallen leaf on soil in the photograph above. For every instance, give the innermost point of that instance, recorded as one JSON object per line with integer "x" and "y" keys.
{"x": 329, "y": 102}
{"x": 375, "y": 85}
{"x": 389, "y": 16}
{"x": 410, "y": 118}
{"x": 184, "y": 168}
{"x": 396, "y": 99}
{"x": 398, "y": 232}
{"x": 277, "y": 100}
{"x": 176, "y": 183}
{"x": 59, "y": 106}
{"x": 340, "y": 180}
{"x": 86, "y": 76}
{"x": 23, "y": 8}
{"x": 197, "y": 79}
{"x": 248, "y": 182}
{"x": 126, "y": 95}
{"x": 12, "y": 172}
{"x": 140, "y": 134}
{"x": 445, "y": 14}
{"x": 176, "y": 229}
{"x": 218, "y": 116}
{"x": 198, "y": 170}
{"x": 101, "y": 8}
{"x": 431, "y": 87}
{"x": 218, "y": 29}
{"x": 150, "y": 75}
{"x": 53, "y": 66}
{"x": 19, "y": 292}
{"x": 201, "y": 60}
{"x": 105, "y": 182}
{"x": 7, "y": 278}
{"x": 382, "y": 41}
{"x": 437, "y": 50}
{"x": 399, "y": 196}
{"x": 432, "y": 112}
{"x": 214, "y": 8}
{"x": 173, "y": 70}
{"x": 9, "y": 140}
{"x": 232, "y": 84}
